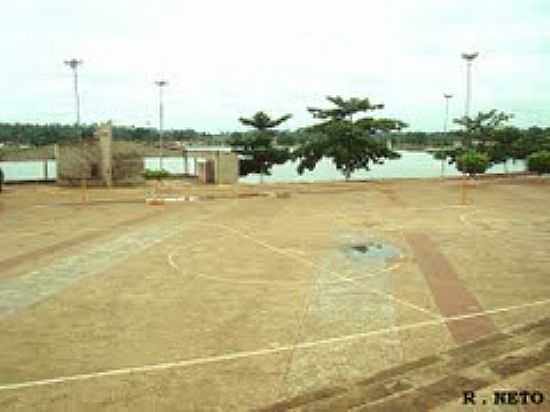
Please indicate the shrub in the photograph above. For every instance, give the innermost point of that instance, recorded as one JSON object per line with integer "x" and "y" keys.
{"x": 472, "y": 163}
{"x": 155, "y": 174}
{"x": 539, "y": 162}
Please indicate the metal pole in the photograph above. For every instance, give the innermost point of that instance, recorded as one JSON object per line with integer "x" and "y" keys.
{"x": 161, "y": 84}
{"x": 469, "y": 57}
{"x": 448, "y": 98}
{"x": 77, "y": 96}
{"x": 447, "y": 102}
{"x": 468, "y": 88}
{"x": 186, "y": 164}
{"x": 73, "y": 64}
{"x": 160, "y": 126}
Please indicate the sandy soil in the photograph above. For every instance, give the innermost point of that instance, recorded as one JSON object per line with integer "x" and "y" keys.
{"x": 250, "y": 295}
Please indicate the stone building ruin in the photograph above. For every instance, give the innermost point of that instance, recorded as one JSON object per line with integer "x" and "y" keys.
{"x": 99, "y": 161}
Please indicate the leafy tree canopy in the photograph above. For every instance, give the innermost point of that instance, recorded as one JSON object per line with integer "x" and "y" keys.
{"x": 484, "y": 133}
{"x": 478, "y": 131}
{"x": 257, "y": 149}
{"x": 349, "y": 143}
{"x": 539, "y": 162}
{"x": 344, "y": 108}
{"x": 472, "y": 162}
{"x": 261, "y": 121}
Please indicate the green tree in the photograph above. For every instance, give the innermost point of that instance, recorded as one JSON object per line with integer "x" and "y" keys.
{"x": 502, "y": 147}
{"x": 472, "y": 163}
{"x": 484, "y": 134}
{"x": 262, "y": 122}
{"x": 349, "y": 142}
{"x": 539, "y": 162}
{"x": 531, "y": 141}
{"x": 479, "y": 131}
{"x": 257, "y": 148}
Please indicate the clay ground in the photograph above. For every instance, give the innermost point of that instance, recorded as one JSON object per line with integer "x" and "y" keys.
{"x": 253, "y": 296}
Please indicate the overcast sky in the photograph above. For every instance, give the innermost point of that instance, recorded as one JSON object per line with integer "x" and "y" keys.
{"x": 226, "y": 59}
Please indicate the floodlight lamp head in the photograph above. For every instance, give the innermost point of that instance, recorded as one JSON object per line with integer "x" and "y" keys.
{"x": 73, "y": 63}
{"x": 470, "y": 56}
{"x": 161, "y": 83}
{"x": 447, "y": 96}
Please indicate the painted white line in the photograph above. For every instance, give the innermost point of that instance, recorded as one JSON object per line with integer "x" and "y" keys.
{"x": 391, "y": 297}
{"x": 317, "y": 266}
{"x": 278, "y": 283}
{"x": 464, "y": 218}
{"x": 171, "y": 261}
{"x": 260, "y": 352}
{"x": 175, "y": 252}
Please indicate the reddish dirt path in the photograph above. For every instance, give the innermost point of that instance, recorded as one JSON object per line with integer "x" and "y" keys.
{"x": 450, "y": 294}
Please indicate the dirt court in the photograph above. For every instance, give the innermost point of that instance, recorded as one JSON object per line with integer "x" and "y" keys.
{"x": 375, "y": 296}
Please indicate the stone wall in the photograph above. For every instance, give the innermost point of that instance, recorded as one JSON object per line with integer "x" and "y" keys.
{"x": 104, "y": 135}
{"x": 127, "y": 164}
{"x": 77, "y": 161}
{"x": 99, "y": 161}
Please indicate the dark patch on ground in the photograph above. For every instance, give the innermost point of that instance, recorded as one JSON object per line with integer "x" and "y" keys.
{"x": 375, "y": 250}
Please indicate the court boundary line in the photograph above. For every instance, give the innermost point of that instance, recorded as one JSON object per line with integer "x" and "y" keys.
{"x": 318, "y": 267}
{"x": 259, "y": 352}
{"x": 265, "y": 351}
{"x": 171, "y": 256}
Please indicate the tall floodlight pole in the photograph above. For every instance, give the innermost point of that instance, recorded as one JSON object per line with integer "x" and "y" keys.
{"x": 161, "y": 84}
{"x": 469, "y": 57}
{"x": 448, "y": 98}
{"x": 73, "y": 64}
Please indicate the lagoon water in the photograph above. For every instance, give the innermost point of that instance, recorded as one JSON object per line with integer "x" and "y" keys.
{"x": 411, "y": 164}
{"x": 28, "y": 170}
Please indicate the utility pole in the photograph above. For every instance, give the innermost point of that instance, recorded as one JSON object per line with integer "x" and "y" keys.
{"x": 161, "y": 84}
{"x": 73, "y": 64}
{"x": 447, "y": 97}
{"x": 469, "y": 58}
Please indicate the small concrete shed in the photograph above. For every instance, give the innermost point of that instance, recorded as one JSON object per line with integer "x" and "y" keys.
{"x": 216, "y": 165}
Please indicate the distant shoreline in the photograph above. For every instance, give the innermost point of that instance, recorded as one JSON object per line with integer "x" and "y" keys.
{"x": 47, "y": 152}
